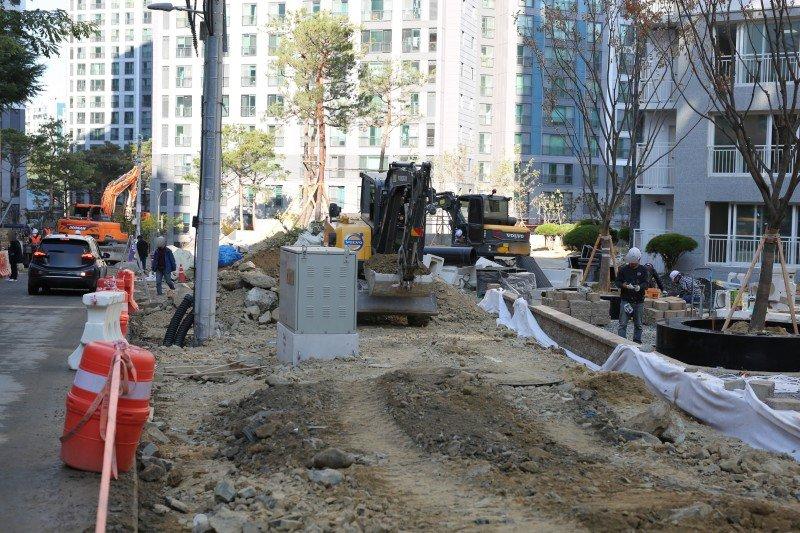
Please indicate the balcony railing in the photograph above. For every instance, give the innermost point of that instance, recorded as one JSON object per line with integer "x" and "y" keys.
{"x": 183, "y": 111}
{"x": 662, "y": 174}
{"x": 248, "y": 81}
{"x": 657, "y": 92}
{"x": 412, "y": 14}
{"x": 739, "y": 249}
{"x": 376, "y": 16}
{"x": 184, "y": 83}
{"x": 728, "y": 160}
{"x": 248, "y": 50}
{"x": 376, "y": 48}
{"x": 248, "y": 110}
{"x": 183, "y": 51}
{"x": 183, "y": 140}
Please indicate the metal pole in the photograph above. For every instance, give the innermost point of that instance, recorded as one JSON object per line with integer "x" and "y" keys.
{"x": 205, "y": 288}
{"x": 138, "y": 161}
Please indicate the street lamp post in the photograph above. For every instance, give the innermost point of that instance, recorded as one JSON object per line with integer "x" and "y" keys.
{"x": 208, "y": 221}
{"x": 158, "y": 208}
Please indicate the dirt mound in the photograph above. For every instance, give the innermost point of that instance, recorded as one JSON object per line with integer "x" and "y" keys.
{"x": 457, "y": 306}
{"x": 387, "y": 264}
{"x": 266, "y": 254}
{"x": 616, "y": 387}
{"x": 742, "y": 328}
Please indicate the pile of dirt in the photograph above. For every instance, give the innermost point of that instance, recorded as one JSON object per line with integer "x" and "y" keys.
{"x": 457, "y": 306}
{"x": 742, "y": 327}
{"x": 387, "y": 264}
{"x": 268, "y": 260}
{"x": 614, "y": 387}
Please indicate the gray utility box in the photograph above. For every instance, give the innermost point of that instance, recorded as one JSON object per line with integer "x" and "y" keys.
{"x": 318, "y": 289}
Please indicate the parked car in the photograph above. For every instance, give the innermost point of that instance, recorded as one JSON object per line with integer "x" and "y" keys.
{"x": 66, "y": 262}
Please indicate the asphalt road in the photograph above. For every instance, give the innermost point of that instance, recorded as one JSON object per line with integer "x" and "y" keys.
{"x": 37, "y": 492}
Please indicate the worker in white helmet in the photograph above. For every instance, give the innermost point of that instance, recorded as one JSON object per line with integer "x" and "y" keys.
{"x": 632, "y": 279}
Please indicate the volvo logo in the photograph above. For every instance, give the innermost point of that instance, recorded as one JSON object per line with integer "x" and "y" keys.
{"x": 354, "y": 242}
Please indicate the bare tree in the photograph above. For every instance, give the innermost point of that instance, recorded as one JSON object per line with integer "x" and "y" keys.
{"x": 605, "y": 95}
{"x": 747, "y": 85}
{"x": 516, "y": 179}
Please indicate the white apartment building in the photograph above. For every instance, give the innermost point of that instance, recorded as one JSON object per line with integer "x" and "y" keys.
{"x": 110, "y": 74}
{"x": 467, "y": 48}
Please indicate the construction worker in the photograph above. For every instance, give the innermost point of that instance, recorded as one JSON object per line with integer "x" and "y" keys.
{"x": 632, "y": 280}
{"x": 143, "y": 249}
{"x": 655, "y": 281}
{"x": 686, "y": 287}
{"x": 163, "y": 264}
{"x": 15, "y": 256}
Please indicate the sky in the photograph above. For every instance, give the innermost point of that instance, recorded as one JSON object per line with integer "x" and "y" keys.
{"x": 56, "y": 78}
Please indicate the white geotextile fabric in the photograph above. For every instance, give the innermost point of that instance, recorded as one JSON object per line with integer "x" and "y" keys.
{"x": 737, "y": 413}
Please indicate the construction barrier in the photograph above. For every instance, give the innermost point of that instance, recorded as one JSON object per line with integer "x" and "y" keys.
{"x": 103, "y": 310}
{"x": 106, "y": 410}
{"x": 125, "y": 281}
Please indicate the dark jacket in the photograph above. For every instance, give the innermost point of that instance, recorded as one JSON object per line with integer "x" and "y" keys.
{"x": 654, "y": 279}
{"x": 142, "y": 246}
{"x": 168, "y": 258}
{"x": 14, "y": 251}
{"x": 633, "y": 276}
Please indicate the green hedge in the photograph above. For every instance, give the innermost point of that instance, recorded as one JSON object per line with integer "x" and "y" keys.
{"x": 625, "y": 234}
{"x": 549, "y": 229}
{"x": 583, "y": 234}
{"x": 670, "y": 246}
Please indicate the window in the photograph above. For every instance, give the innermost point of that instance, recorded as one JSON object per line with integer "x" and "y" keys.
{"x": 522, "y": 114}
{"x": 409, "y": 137}
{"x": 275, "y": 76}
{"x": 554, "y": 145}
{"x": 432, "y": 40}
{"x": 487, "y": 56}
{"x": 337, "y": 137}
{"x": 484, "y": 143}
{"x": 486, "y": 85}
{"x": 273, "y": 41}
{"x": 97, "y": 134}
{"x": 180, "y": 193}
{"x": 562, "y": 114}
{"x": 432, "y": 71}
{"x": 81, "y": 69}
{"x": 484, "y": 170}
{"x": 97, "y": 85}
{"x": 276, "y": 10}
{"x": 411, "y": 38}
{"x": 376, "y": 41}
{"x": 485, "y": 114}
{"x": 226, "y": 105}
{"x": 129, "y": 85}
{"x": 183, "y": 135}
{"x": 249, "y": 17}
{"x": 115, "y": 117}
{"x": 128, "y": 117}
{"x": 249, "y": 44}
{"x": 226, "y": 74}
{"x": 336, "y": 194}
{"x": 523, "y": 58}
{"x": 183, "y": 106}
{"x": 522, "y": 143}
{"x": 370, "y": 136}
{"x": 248, "y": 75}
{"x": 377, "y": 10}
{"x": 183, "y": 46}
{"x": 248, "y": 105}
{"x": 431, "y": 107}
{"x": 430, "y": 137}
{"x": 487, "y": 27}
{"x": 183, "y": 77}
{"x": 97, "y": 118}
{"x": 277, "y": 133}
{"x": 523, "y": 84}
{"x": 81, "y": 85}
{"x": 81, "y": 118}
{"x": 413, "y": 103}
{"x": 274, "y": 104}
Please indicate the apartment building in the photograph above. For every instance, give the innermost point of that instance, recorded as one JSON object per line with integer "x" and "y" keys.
{"x": 42, "y": 112}
{"x": 703, "y": 189}
{"x": 110, "y": 74}
{"x": 467, "y": 49}
{"x": 13, "y": 193}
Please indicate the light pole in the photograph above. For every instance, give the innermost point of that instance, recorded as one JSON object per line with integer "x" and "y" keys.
{"x": 207, "y": 238}
{"x": 138, "y": 161}
{"x": 158, "y": 208}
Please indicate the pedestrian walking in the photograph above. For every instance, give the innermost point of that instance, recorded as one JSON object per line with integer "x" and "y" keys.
{"x": 15, "y": 256}
{"x": 143, "y": 249}
{"x": 163, "y": 264}
{"x": 632, "y": 280}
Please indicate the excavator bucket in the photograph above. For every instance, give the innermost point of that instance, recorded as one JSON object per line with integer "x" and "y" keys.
{"x": 385, "y": 294}
{"x": 391, "y": 285}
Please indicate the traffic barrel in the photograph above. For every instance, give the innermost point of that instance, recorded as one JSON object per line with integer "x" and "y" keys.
{"x": 87, "y": 403}
{"x": 125, "y": 281}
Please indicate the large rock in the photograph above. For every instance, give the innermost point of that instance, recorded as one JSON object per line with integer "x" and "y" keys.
{"x": 227, "y": 521}
{"x": 660, "y": 420}
{"x": 252, "y": 311}
{"x": 264, "y": 299}
{"x": 224, "y": 492}
{"x": 257, "y": 278}
{"x": 327, "y": 476}
{"x": 332, "y": 458}
{"x": 246, "y": 266}
{"x": 230, "y": 280}
{"x": 523, "y": 283}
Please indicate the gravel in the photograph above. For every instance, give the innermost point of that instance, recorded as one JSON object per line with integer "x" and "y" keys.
{"x": 648, "y": 332}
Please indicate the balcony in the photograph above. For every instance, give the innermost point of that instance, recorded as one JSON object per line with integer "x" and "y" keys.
{"x": 739, "y": 249}
{"x": 376, "y": 48}
{"x": 377, "y": 16}
{"x": 660, "y": 177}
{"x": 183, "y": 111}
{"x": 727, "y": 160}
{"x": 183, "y": 83}
{"x": 552, "y": 179}
{"x": 658, "y": 93}
{"x": 248, "y": 50}
{"x": 248, "y": 81}
{"x": 183, "y": 140}
{"x": 183, "y": 51}
{"x": 412, "y": 14}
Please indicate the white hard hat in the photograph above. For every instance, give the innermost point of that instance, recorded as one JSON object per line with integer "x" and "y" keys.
{"x": 674, "y": 274}
{"x": 634, "y": 254}
{"x": 35, "y": 231}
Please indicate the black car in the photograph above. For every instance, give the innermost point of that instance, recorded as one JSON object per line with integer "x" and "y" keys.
{"x": 66, "y": 262}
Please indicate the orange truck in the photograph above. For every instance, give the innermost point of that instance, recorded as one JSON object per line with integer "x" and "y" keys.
{"x": 95, "y": 220}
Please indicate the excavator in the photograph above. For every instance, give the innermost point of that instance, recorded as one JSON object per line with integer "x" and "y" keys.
{"x": 391, "y": 222}
{"x": 95, "y": 220}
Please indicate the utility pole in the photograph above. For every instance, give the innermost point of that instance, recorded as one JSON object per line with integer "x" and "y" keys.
{"x": 138, "y": 161}
{"x": 205, "y": 285}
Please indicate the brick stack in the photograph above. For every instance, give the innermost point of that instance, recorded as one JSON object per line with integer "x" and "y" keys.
{"x": 586, "y": 306}
{"x": 656, "y": 309}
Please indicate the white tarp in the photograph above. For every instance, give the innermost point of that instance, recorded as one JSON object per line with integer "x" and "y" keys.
{"x": 737, "y": 413}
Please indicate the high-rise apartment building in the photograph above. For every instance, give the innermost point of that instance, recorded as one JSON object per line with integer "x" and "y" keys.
{"x": 110, "y": 74}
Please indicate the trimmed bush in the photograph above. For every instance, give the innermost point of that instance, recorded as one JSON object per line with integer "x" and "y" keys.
{"x": 583, "y": 234}
{"x": 625, "y": 234}
{"x": 670, "y": 246}
{"x": 588, "y": 222}
{"x": 548, "y": 229}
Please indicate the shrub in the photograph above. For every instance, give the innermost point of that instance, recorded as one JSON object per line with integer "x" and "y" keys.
{"x": 563, "y": 229}
{"x": 583, "y": 234}
{"x": 625, "y": 234}
{"x": 588, "y": 222}
{"x": 670, "y": 246}
{"x": 548, "y": 229}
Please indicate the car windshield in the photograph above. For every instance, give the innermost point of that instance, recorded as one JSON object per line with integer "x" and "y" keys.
{"x": 66, "y": 253}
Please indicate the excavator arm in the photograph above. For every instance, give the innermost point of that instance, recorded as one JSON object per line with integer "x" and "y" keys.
{"x": 127, "y": 182}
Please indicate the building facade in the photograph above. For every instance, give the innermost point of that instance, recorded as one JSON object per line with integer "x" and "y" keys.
{"x": 111, "y": 74}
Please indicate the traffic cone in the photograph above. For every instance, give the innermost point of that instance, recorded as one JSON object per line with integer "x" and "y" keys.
{"x": 181, "y": 275}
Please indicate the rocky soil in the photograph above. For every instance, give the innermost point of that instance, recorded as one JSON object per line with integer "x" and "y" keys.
{"x": 456, "y": 426}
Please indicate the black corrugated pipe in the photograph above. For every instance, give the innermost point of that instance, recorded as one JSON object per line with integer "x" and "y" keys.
{"x": 172, "y": 328}
{"x": 183, "y": 329}
{"x": 454, "y": 255}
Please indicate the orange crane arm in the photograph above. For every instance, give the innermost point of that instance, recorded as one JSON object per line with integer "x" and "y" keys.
{"x": 128, "y": 181}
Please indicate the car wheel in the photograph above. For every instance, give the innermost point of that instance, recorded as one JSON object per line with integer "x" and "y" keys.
{"x": 33, "y": 289}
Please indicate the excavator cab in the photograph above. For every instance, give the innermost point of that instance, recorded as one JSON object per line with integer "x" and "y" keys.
{"x": 482, "y": 222}
{"x": 89, "y": 212}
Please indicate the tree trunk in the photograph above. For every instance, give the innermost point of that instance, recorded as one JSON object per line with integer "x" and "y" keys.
{"x": 605, "y": 261}
{"x": 241, "y": 206}
{"x": 759, "y": 315}
{"x": 385, "y": 136}
{"x": 321, "y": 196}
